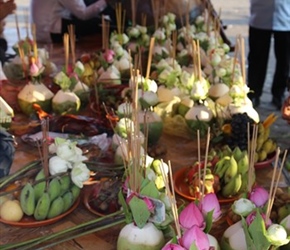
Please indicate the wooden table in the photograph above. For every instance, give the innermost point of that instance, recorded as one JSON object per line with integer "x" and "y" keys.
{"x": 181, "y": 152}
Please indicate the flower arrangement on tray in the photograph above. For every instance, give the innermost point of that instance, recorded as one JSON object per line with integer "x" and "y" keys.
{"x": 48, "y": 191}
{"x": 255, "y": 229}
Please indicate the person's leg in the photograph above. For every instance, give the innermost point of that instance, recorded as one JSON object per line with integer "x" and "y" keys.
{"x": 259, "y": 46}
{"x": 282, "y": 54}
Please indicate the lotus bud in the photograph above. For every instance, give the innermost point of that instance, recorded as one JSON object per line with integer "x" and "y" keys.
{"x": 58, "y": 165}
{"x": 209, "y": 203}
{"x": 251, "y": 217}
{"x": 277, "y": 235}
{"x": 243, "y": 207}
{"x": 79, "y": 174}
{"x": 172, "y": 246}
{"x": 191, "y": 216}
{"x": 196, "y": 236}
{"x": 259, "y": 196}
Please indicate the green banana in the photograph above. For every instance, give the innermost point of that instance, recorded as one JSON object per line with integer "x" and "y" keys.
{"x": 54, "y": 188}
{"x": 42, "y": 207}
{"x": 220, "y": 167}
{"x": 27, "y": 199}
{"x": 243, "y": 163}
{"x": 75, "y": 191}
{"x": 231, "y": 171}
{"x": 39, "y": 188}
{"x": 244, "y": 186}
{"x": 237, "y": 153}
{"x": 56, "y": 208}
{"x": 232, "y": 187}
{"x": 65, "y": 183}
{"x": 68, "y": 200}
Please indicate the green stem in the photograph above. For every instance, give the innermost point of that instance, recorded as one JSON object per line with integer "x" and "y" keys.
{"x": 8, "y": 179}
{"x": 86, "y": 232}
{"x": 58, "y": 234}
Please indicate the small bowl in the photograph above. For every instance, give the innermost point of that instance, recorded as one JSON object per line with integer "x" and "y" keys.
{"x": 267, "y": 163}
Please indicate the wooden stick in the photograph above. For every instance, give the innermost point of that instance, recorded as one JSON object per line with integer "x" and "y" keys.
{"x": 277, "y": 181}
{"x": 133, "y": 8}
{"x": 272, "y": 181}
{"x": 243, "y": 61}
{"x": 66, "y": 51}
{"x": 17, "y": 27}
{"x": 143, "y": 19}
{"x": 198, "y": 159}
{"x": 71, "y": 30}
{"x": 205, "y": 162}
{"x": 198, "y": 60}
{"x": 150, "y": 54}
{"x": 35, "y": 51}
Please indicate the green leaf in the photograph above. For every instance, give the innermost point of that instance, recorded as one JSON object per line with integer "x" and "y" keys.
{"x": 150, "y": 190}
{"x": 257, "y": 231}
{"x": 208, "y": 220}
{"x": 250, "y": 243}
{"x": 193, "y": 246}
{"x": 140, "y": 211}
{"x": 73, "y": 82}
{"x": 126, "y": 209}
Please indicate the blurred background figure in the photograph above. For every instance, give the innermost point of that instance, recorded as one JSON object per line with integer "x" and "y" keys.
{"x": 269, "y": 19}
{"x": 6, "y": 8}
{"x": 7, "y": 151}
{"x": 52, "y": 17}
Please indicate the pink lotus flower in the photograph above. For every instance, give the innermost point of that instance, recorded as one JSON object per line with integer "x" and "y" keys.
{"x": 191, "y": 216}
{"x": 197, "y": 236}
{"x": 209, "y": 203}
{"x": 109, "y": 55}
{"x": 149, "y": 204}
{"x": 173, "y": 246}
{"x": 259, "y": 196}
{"x": 34, "y": 69}
{"x": 251, "y": 217}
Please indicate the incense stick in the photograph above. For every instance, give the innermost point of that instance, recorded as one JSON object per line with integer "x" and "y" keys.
{"x": 205, "y": 162}
{"x": 198, "y": 159}
{"x": 66, "y": 51}
{"x": 17, "y": 27}
{"x": 35, "y": 51}
{"x": 71, "y": 30}
{"x": 150, "y": 56}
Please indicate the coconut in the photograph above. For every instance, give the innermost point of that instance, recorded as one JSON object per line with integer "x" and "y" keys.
{"x": 185, "y": 104}
{"x": 146, "y": 238}
{"x": 224, "y": 100}
{"x": 6, "y": 113}
{"x": 234, "y": 238}
{"x": 65, "y": 102}
{"x": 82, "y": 91}
{"x": 199, "y": 112}
{"x": 218, "y": 90}
{"x": 34, "y": 93}
{"x": 154, "y": 125}
{"x": 111, "y": 76}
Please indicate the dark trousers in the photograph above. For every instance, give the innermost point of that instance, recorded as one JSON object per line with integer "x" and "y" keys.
{"x": 259, "y": 47}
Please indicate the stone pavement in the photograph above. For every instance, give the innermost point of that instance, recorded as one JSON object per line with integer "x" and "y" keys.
{"x": 235, "y": 15}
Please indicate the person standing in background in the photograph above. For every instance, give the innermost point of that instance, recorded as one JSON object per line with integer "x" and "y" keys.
{"x": 6, "y": 8}
{"x": 52, "y": 17}
{"x": 269, "y": 18}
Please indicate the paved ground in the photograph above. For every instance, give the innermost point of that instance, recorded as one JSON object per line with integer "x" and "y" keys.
{"x": 235, "y": 15}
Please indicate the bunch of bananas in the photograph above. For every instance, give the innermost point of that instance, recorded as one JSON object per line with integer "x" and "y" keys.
{"x": 46, "y": 200}
{"x": 265, "y": 145}
{"x": 232, "y": 170}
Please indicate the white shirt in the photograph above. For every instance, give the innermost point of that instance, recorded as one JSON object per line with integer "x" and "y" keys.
{"x": 47, "y": 14}
{"x": 270, "y": 14}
